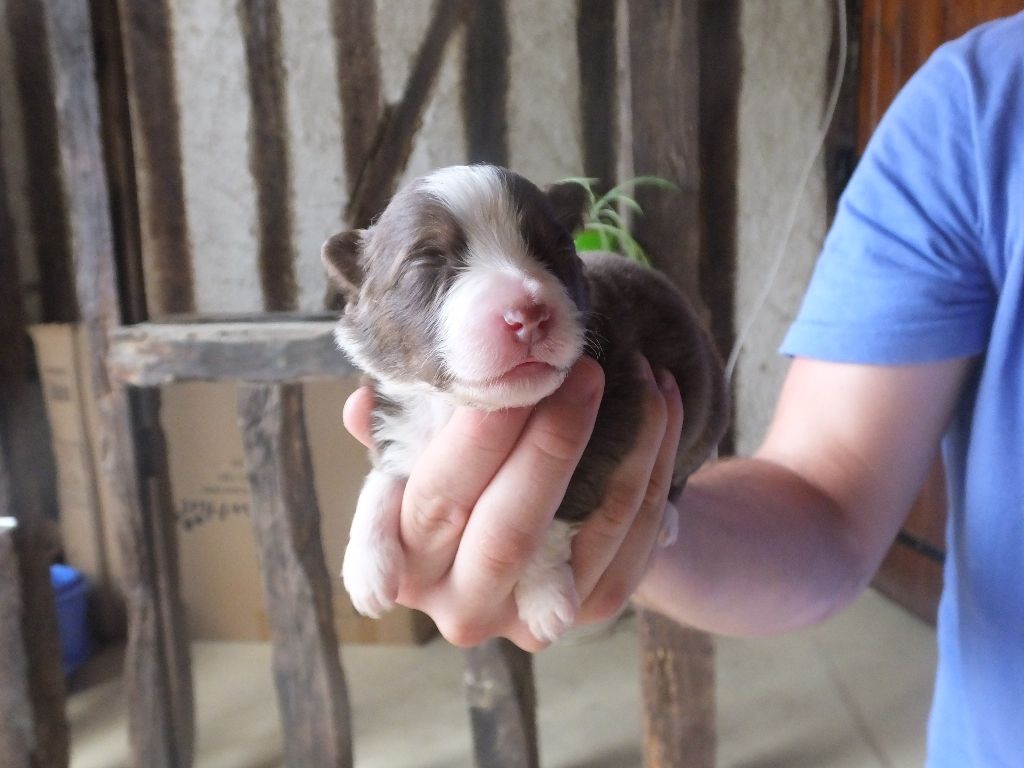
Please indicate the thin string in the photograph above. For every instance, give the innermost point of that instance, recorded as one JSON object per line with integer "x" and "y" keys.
{"x": 794, "y": 208}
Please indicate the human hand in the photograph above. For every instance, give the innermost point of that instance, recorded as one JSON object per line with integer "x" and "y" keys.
{"x": 483, "y": 494}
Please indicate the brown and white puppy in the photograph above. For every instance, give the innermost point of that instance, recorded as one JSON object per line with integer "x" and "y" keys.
{"x": 468, "y": 290}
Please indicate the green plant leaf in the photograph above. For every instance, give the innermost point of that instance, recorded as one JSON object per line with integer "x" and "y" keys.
{"x": 613, "y": 217}
{"x": 630, "y": 203}
{"x": 605, "y": 228}
{"x": 589, "y": 240}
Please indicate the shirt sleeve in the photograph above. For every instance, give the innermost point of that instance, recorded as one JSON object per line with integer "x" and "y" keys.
{"x": 901, "y": 278}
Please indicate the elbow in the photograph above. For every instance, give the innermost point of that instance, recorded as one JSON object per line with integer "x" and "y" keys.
{"x": 853, "y": 568}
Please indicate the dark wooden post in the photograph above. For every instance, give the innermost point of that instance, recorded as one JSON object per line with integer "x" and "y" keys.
{"x": 677, "y": 662}
{"x": 678, "y": 683}
{"x": 157, "y": 666}
{"x": 502, "y": 703}
{"x": 17, "y": 732}
{"x": 33, "y": 726}
{"x": 311, "y": 692}
{"x": 27, "y": 608}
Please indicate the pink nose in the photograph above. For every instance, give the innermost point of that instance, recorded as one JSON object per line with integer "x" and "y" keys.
{"x": 528, "y": 322}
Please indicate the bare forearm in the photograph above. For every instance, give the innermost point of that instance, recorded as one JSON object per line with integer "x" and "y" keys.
{"x": 759, "y": 551}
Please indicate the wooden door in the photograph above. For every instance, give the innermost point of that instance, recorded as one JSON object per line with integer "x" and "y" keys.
{"x": 896, "y": 38}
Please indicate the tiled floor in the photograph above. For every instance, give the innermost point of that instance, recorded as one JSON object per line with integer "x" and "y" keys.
{"x": 852, "y": 693}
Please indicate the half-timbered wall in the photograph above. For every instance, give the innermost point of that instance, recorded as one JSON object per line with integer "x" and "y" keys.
{"x": 257, "y": 128}
{"x": 250, "y": 126}
{"x": 270, "y": 114}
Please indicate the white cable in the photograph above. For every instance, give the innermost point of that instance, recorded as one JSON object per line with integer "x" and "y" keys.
{"x": 801, "y": 186}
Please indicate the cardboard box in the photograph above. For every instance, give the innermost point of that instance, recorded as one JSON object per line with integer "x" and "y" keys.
{"x": 218, "y": 560}
{"x": 219, "y": 563}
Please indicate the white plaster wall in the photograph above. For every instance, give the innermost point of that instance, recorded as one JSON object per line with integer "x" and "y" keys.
{"x": 441, "y": 139}
{"x": 220, "y": 196}
{"x": 783, "y": 96}
{"x": 316, "y": 157}
{"x": 545, "y": 142}
{"x": 401, "y": 26}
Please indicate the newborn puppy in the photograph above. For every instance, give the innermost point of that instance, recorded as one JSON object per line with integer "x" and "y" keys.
{"x": 468, "y": 290}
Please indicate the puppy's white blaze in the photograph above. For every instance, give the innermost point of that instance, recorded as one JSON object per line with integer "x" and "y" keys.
{"x": 473, "y": 193}
{"x": 479, "y": 201}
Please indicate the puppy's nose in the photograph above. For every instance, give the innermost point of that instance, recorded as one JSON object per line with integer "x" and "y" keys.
{"x": 528, "y": 323}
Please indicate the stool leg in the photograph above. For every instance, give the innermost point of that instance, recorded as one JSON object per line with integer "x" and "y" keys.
{"x": 678, "y": 683}
{"x": 311, "y": 691}
{"x": 158, "y": 665}
{"x": 502, "y": 705}
{"x": 33, "y": 728}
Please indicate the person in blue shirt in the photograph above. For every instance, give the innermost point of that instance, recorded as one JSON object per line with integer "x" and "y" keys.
{"x": 911, "y": 336}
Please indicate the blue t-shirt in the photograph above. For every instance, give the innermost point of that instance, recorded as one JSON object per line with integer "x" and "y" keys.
{"x": 925, "y": 261}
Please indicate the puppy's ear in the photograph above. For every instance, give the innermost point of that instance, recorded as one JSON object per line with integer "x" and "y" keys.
{"x": 340, "y": 255}
{"x": 569, "y": 201}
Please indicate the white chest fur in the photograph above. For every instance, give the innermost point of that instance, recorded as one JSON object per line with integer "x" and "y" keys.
{"x": 407, "y": 429}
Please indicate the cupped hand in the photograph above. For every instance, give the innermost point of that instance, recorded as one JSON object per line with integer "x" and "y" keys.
{"x": 483, "y": 494}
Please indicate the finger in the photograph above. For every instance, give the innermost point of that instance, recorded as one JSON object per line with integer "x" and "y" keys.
{"x": 356, "y": 415}
{"x": 602, "y": 534}
{"x": 466, "y": 631}
{"x": 446, "y": 482}
{"x": 634, "y": 557}
{"x": 515, "y": 511}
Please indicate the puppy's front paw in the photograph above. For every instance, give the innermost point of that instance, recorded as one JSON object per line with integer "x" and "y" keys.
{"x": 370, "y": 573}
{"x": 549, "y": 605}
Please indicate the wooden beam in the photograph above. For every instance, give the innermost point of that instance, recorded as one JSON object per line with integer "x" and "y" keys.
{"x": 389, "y": 155}
{"x": 678, "y": 683}
{"x": 46, "y": 211}
{"x": 311, "y": 693}
{"x": 111, "y": 72}
{"x": 359, "y": 82}
{"x": 502, "y": 705}
{"x": 260, "y": 21}
{"x": 664, "y": 84}
{"x": 28, "y": 605}
{"x": 157, "y": 666}
{"x": 28, "y": 613}
{"x": 664, "y": 64}
{"x": 148, "y": 37}
{"x": 486, "y": 83}
{"x": 153, "y": 354}
{"x": 17, "y": 732}
{"x": 596, "y": 49}
{"x": 721, "y": 68}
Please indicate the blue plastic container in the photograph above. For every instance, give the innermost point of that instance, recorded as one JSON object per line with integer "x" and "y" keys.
{"x": 71, "y": 593}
